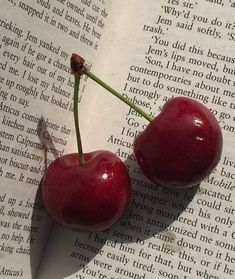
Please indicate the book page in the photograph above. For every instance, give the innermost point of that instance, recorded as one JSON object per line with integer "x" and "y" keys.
{"x": 157, "y": 50}
{"x": 36, "y": 92}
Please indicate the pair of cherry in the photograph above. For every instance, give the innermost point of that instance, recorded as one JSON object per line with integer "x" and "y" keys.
{"x": 179, "y": 148}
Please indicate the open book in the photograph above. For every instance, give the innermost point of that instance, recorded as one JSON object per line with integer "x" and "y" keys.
{"x": 149, "y": 51}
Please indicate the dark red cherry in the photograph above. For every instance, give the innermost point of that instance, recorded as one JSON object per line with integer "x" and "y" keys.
{"x": 92, "y": 196}
{"x": 181, "y": 146}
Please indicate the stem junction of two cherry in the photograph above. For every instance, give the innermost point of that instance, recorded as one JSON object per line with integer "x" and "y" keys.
{"x": 78, "y": 68}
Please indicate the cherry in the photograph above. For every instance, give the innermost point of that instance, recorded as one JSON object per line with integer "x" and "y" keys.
{"x": 91, "y": 196}
{"x": 181, "y": 146}
{"x": 88, "y": 191}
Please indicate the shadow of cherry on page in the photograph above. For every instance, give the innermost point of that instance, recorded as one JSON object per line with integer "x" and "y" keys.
{"x": 153, "y": 208}
{"x": 39, "y": 218}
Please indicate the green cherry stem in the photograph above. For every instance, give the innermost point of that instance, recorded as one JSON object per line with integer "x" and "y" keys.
{"x": 75, "y": 114}
{"x": 117, "y": 94}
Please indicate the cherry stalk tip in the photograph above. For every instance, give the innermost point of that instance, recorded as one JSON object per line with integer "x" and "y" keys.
{"x": 77, "y": 64}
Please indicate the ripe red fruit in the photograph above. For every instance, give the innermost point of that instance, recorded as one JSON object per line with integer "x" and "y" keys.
{"x": 181, "y": 146}
{"x": 89, "y": 197}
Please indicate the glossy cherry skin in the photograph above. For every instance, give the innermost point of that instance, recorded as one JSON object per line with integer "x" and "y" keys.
{"x": 181, "y": 146}
{"x": 88, "y": 197}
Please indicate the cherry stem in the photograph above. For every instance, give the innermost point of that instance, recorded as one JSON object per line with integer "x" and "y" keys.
{"x": 81, "y": 159}
{"x": 118, "y": 95}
